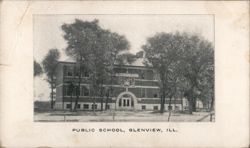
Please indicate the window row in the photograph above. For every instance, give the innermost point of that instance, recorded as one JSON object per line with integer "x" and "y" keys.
{"x": 73, "y": 71}
{"x": 85, "y": 106}
{"x": 126, "y": 102}
{"x": 142, "y": 73}
{"x": 70, "y": 90}
{"x": 144, "y": 92}
{"x": 143, "y": 107}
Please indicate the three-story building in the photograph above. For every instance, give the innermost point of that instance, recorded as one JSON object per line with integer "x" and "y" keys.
{"x": 134, "y": 87}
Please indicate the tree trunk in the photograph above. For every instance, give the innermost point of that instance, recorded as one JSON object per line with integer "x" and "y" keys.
{"x": 194, "y": 104}
{"x": 174, "y": 103}
{"x": 190, "y": 105}
{"x": 170, "y": 109}
{"x": 78, "y": 88}
{"x": 71, "y": 101}
{"x": 106, "y": 101}
{"x": 94, "y": 105}
{"x": 182, "y": 107}
{"x": 101, "y": 103}
{"x": 102, "y": 98}
{"x": 52, "y": 96}
{"x": 212, "y": 104}
{"x": 163, "y": 101}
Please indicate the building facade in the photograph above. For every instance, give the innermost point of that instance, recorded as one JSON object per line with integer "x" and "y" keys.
{"x": 134, "y": 87}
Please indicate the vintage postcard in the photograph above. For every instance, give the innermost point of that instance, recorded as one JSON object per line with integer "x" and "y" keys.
{"x": 124, "y": 73}
{"x": 106, "y": 68}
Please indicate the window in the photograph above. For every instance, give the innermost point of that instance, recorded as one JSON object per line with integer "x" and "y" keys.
{"x": 93, "y": 106}
{"x": 68, "y": 106}
{"x": 128, "y": 102}
{"x": 67, "y": 91}
{"x": 76, "y": 71}
{"x": 78, "y": 106}
{"x": 169, "y": 107}
{"x": 65, "y": 70}
{"x": 155, "y": 95}
{"x": 70, "y": 89}
{"x": 64, "y": 90}
{"x": 155, "y": 107}
{"x": 108, "y": 106}
{"x": 143, "y": 92}
{"x": 85, "y": 106}
{"x": 177, "y": 108}
{"x": 124, "y": 102}
{"x": 84, "y": 91}
{"x": 143, "y": 107}
{"x": 70, "y": 71}
{"x": 85, "y": 73}
{"x": 142, "y": 75}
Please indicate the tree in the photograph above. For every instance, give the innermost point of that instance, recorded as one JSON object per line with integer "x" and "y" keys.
{"x": 49, "y": 65}
{"x": 71, "y": 92}
{"x": 163, "y": 54}
{"x": 139, "y": 54}
{"x": 37, "y": 69}
{"x": 94, "y": 49}
{"x": 184, "y": 63}
{"x": 197, "y": 69}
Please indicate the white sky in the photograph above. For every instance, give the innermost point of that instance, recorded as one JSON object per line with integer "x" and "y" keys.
{"x": 136, "y": 28}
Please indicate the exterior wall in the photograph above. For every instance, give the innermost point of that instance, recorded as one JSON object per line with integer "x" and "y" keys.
{"x": 59, "y": 93}
{"x": 148, "y": 107}
{"x": 145, "y": 88}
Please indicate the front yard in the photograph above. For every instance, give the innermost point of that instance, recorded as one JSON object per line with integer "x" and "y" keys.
{"x": 120, "y": 116}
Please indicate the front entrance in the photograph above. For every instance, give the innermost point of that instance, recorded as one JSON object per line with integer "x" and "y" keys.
{"x": 126, "y": 101}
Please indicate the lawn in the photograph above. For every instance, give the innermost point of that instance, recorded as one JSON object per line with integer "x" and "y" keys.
{"x": 120, "y": 116}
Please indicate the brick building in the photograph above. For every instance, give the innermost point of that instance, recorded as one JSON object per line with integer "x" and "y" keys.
{"x": 135, "y": 87}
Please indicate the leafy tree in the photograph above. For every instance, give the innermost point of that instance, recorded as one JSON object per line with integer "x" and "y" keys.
{"x": 162, "y": 52}
{"x": 49, "y": 65}
{"x": 139, "y": 54}
{"x": 184, "y": 63}
{"x": 94, "y": 49}
{"x": 198, "y": 69}
{"x": 37, "y": 69}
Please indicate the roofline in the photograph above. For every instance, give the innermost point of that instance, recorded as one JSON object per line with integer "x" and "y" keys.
{"x": 115, "y": 64}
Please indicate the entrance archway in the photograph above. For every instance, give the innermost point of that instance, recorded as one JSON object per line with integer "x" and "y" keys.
{"x": 126, "y": 101}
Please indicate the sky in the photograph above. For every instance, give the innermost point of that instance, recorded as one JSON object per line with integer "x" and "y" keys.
{"x": 136, "y": 28}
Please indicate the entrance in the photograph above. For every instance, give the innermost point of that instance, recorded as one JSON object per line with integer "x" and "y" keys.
{"x": 126, "y": 101}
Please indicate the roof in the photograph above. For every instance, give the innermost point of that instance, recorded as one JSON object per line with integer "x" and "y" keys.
{"x": 139, "y": 62}
{"x": 67, "y": 59}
